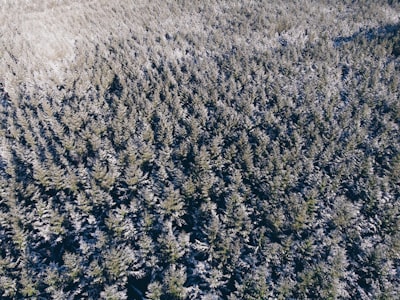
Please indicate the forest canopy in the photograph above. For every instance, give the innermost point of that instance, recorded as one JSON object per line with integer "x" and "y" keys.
{"x": 199, "y": 149}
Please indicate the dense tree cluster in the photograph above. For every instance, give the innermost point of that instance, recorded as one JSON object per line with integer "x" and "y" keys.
{"x": 205, "y": 150}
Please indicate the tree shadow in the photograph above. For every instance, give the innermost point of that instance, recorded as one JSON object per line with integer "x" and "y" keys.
{"x": 4, "y": 97}
{"x": 386, "y": 32}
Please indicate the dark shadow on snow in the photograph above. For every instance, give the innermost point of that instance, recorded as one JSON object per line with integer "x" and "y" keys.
{"x": 388, "y": 31}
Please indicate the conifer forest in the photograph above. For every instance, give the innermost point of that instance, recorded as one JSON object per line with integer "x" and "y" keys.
{"x": 203, "y": 149}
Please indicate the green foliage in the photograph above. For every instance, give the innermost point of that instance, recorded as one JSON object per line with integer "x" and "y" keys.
{"x": 174, "y": 281}
{"x": 221, "y": 150}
